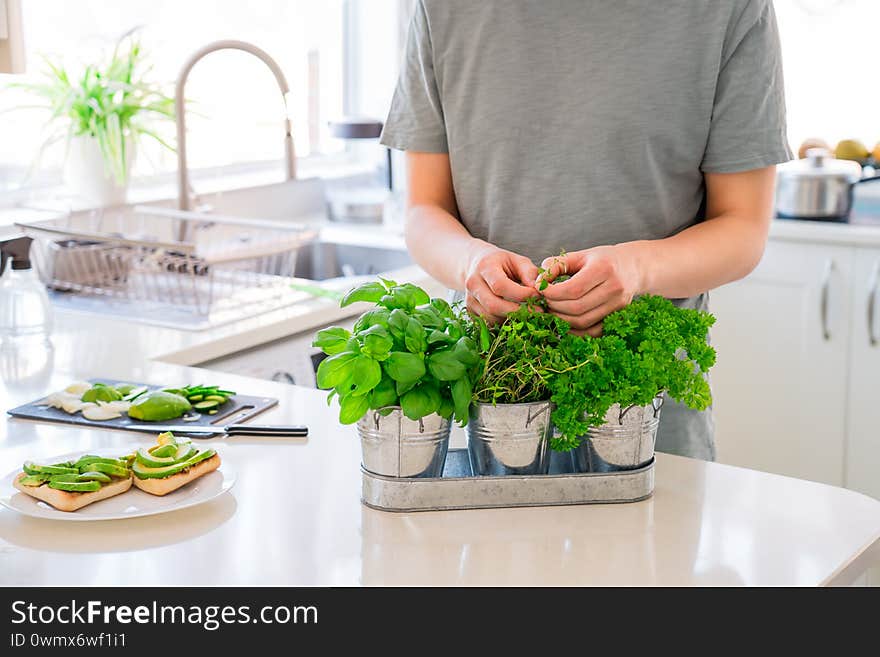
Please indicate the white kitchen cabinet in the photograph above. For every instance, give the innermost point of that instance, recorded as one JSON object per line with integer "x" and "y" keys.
{"x": 863, "y": 436}
{"x": 780, "y": 384}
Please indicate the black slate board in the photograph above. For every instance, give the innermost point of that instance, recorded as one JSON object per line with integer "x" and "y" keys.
{"x": 238, "y": 409}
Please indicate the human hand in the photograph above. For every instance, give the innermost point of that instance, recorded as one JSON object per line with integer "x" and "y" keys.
{"x": 498, "y": 281}
{"x": 602, "y": 279}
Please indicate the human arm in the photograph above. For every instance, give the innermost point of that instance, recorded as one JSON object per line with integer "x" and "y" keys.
{"x": 724, "y": 247}
{"x": 495, "y": 281}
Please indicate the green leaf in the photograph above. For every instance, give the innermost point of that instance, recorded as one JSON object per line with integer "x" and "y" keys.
{"x": 444, "y": 365}
{"x": 443, "y": 308}
{"x": 376, "y": 316}
{"x": 429, "y": 317}
{"x": 438, "y": 337}
{"x": 461, "y": 398}
{"x": 331, "y": 340}
{"x": 398, "y": 320}
{"x": 365, "y": 375}
{"x": 404, "y": 367}
{"x": 415, "y": 338}
{"x": 384, "y": 394}
{"x": 485, "y": 338}
{"x": 447, "y": 407}
{"x": 371, "y": 292}
{"x": 403, "y": 388}
{"x": 421, "y": 401}
{"x": 466, "y": 351}
{"x": 336, "y": 370}
{"x": 352, "y": 408}
{"x": 376, "y": 342}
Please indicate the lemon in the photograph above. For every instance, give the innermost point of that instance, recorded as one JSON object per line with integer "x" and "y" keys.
{"x": 851, "y": 149}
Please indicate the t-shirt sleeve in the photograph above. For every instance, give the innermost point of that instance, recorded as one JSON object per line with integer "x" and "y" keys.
{"x": 748, "y": 129}
{"x": 415, "y": 121}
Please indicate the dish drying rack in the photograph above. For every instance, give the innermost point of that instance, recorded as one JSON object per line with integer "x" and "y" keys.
{"x": 182, "y": 260}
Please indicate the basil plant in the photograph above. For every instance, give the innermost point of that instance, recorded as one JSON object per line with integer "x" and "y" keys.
{"x": 409, "y": 351}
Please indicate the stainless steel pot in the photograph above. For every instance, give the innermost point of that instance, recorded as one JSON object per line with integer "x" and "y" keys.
{"x": 817, "y": 187}
{"x": 509, "y": 439}
{"x": 392, "y": 445}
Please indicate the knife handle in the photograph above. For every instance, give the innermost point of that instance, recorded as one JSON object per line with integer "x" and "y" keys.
{"x": 269, "y": 430}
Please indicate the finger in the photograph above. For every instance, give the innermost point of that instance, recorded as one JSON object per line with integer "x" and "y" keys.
{"x": 496, "y": 305}
{"x": 598, "y": 297}
{"x": 526, "y": 272}
{"x": 502, "y": 285}
{"x": 587, "y": 320}
{"x": 477, "y": 309}
{"x": 595, "y": 331}
{"x": 587, "y": 278}
{"x": 567, "y": 263}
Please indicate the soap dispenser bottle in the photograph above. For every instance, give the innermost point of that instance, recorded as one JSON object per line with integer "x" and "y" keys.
{"x": 25, "y": 313}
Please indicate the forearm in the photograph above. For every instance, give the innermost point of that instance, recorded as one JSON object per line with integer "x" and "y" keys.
{"x": 440, "y": 244}
{"x": 700, "y": 258}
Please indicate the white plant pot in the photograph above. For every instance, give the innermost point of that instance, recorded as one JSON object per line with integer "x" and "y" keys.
{"x": 87, "y": 176}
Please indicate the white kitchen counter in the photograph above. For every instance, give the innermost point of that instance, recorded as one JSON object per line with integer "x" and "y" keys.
{"x": 294, "y": 516}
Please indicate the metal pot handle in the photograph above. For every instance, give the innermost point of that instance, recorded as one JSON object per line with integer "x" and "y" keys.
{"x": 872, "y": 304}
{"x": 530, "y": 417}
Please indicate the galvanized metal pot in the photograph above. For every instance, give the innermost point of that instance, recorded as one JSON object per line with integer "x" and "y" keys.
{"x": 509, "y": 439}
{"x": 625, "y": 442}
{"x": 395, "y": 446}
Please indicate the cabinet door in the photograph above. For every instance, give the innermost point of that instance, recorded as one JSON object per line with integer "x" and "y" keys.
{"x": 863, "y": 435}
{"x": 780, "y": 382}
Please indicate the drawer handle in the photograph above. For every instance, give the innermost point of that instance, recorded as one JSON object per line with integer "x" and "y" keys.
{"x": 284, "y": 377}
{"x": 872, "y": 304}
{"x": 823, "y": 304}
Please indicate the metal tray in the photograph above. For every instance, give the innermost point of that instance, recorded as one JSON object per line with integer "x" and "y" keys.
{"x": 458, "y": 488}
{"x": 238, "y": 409}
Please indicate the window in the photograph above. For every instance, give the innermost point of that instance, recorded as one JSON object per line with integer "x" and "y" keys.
{"x": 235, "y": 114}
{"x": 831, "y": 88}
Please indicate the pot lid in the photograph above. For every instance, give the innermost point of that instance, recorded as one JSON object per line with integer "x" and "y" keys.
{"x": 820, "y": 164}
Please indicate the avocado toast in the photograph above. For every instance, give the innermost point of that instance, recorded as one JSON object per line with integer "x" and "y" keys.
{"x": 170, "y": 464}
{"x": 71, "y": 485}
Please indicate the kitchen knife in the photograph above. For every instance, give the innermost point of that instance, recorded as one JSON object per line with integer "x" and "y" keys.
{"x": 265, "y": 430}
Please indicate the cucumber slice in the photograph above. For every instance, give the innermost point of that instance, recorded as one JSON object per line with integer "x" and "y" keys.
{"x": 214, "y": 412}
{"x": 220, "y": 399}
{"x": 206, "y": 405}
{"x": 196, "y": 398}
{"x": 34, "y": 480}
{"x": 133, "y": 394}
{"x": 33, "y": 469}
{"x": 76, "y": 486}
{"x": 93, "y": 476}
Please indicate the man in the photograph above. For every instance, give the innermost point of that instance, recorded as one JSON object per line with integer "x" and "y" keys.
{"x": 637, "y": 136}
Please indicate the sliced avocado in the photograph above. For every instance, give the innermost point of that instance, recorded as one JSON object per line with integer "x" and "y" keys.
{"x": 110, "y": 469}
{"x": 101, "y": 392}
{"x": 206, "y": 405}
{"x": 125, "y": 388}
{"x": 94, "y": 476}
{"x": 166, "y": 438}
{"x": 142, "y": 471}
{"x": 168, "y": 449}
{"x": 34, "y": 469}
{"x": 158, "y": 405}
{"x": 34, "y": 480}
{"x": 75, "y": 486}
{"x": 84, "y": 462}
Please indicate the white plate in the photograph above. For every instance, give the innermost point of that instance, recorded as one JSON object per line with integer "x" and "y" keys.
{"x": 134, "y": 503}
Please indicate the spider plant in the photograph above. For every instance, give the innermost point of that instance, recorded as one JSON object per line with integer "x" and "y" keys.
{"x": 110, "y": 102}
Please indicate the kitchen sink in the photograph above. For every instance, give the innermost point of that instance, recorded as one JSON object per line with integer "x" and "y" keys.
{"x": 322, "y": 260}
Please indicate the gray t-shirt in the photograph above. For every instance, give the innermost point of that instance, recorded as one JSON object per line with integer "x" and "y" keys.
{"x": 577, "y": 123}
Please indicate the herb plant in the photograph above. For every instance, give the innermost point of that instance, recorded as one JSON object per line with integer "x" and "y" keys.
{"x": 409, "y": 351}
{"x": 646, "y": 348}
{"x": 110, "y": 103}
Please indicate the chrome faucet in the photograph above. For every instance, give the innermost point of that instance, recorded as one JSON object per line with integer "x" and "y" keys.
{"x": 183, "y": 186}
